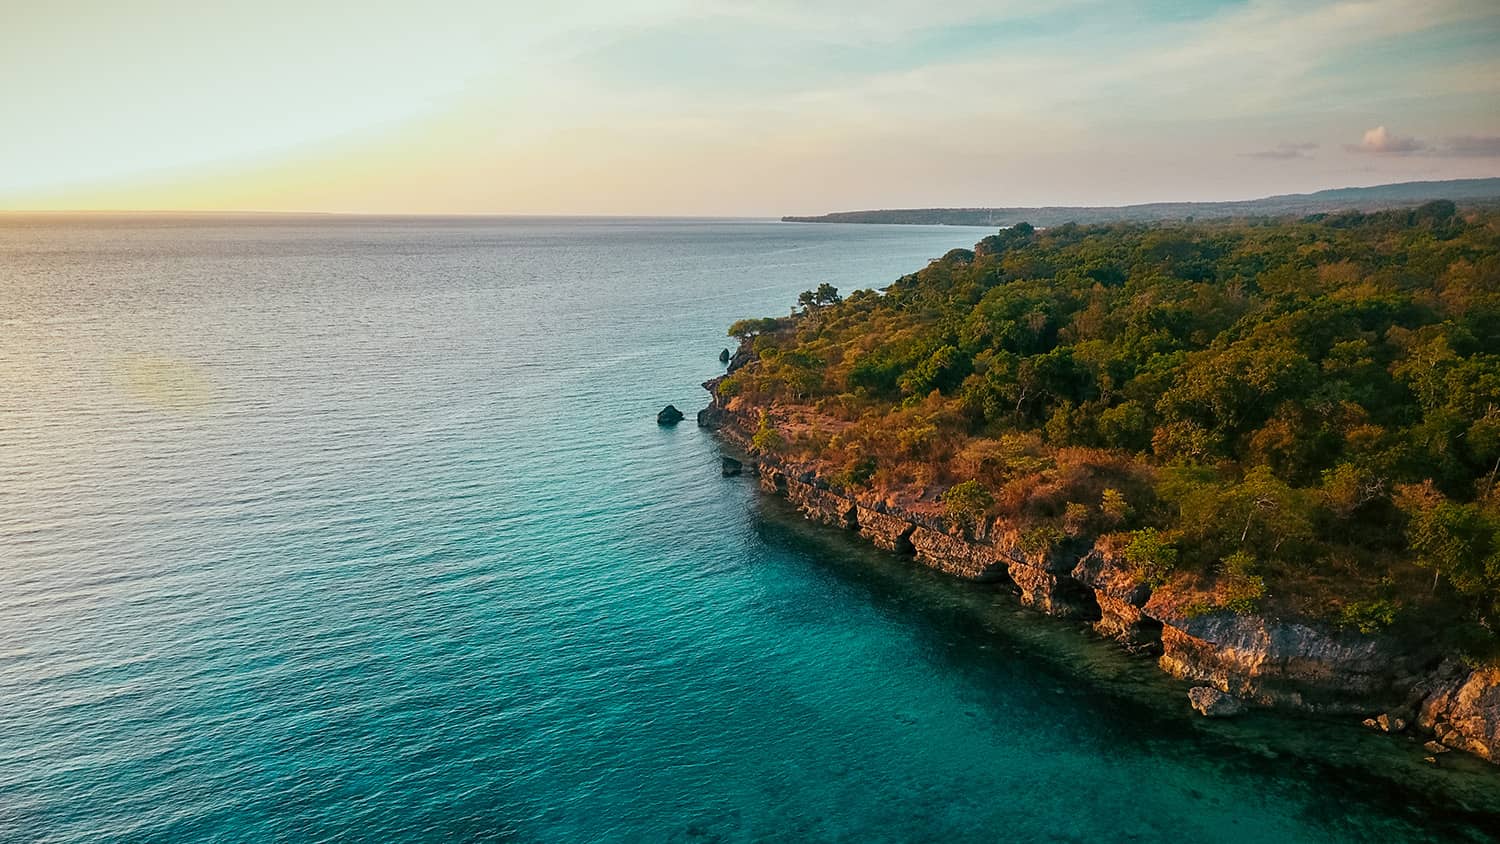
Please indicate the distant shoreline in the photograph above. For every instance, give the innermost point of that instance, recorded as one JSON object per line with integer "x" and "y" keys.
{"x": 1376, "y": 198}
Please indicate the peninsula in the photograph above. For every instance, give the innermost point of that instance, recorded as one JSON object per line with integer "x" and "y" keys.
{"x": 1265, "y": 452}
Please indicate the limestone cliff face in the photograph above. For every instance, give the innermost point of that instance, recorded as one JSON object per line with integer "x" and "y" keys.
{"x": 1121, "y": 597}
{"x": 1282, "y": 663}
{"x": 820, "y": 505}
{"x": 1045, "y": 578}
{"x": 957, "y": 556}
{"x": 883, "y": 530}
{"x": 1257, "y": 660}
{"x": 1464, "y": 712}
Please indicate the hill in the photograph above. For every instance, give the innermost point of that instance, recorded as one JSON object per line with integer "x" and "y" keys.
{"x": 1470, "y": 192}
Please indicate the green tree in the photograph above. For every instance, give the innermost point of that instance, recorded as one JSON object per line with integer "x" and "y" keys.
{"x": 1456, "y": 541}
{"x": 746, "y": 329}
{"x": 967, "y": 502}
{"x": 1113, "y": 508}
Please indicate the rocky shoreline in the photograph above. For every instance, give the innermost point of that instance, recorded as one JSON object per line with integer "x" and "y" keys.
{"x": 1236, "y": 661}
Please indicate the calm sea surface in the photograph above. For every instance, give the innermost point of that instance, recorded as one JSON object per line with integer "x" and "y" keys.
{"x": 363, "y": 530}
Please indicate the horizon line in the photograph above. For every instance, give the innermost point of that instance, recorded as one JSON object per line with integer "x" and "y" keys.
{"x": 771, "y": 216}
{"x": 219, "y": 212}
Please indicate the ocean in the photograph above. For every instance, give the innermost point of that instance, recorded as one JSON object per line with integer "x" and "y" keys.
{"x": 363, "y": 529}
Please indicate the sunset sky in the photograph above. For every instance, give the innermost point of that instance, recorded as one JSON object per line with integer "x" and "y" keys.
{"x": 733, "y": 108}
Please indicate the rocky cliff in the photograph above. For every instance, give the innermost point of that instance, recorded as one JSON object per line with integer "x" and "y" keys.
{"x": 1464, "y": 712}
{"x": 1244, "y": 659}
{"x": 1271, "y": 662}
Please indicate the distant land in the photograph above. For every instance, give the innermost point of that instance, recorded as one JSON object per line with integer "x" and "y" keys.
{"x": 1375, "y": 198}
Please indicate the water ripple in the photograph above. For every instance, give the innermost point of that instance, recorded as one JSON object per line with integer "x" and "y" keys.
{"x": 362, "y": 529}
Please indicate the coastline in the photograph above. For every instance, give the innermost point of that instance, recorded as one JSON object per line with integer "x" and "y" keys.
{"x": 1334, "y": 200}
{"x": 1233, "y": 661}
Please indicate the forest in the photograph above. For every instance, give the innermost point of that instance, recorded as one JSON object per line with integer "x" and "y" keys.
{"x": 1293, "y": 416}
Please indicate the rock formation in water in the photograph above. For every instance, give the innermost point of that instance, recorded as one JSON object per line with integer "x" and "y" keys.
{"x": 669, "y": 415}
{"x": 1213, "y": 703}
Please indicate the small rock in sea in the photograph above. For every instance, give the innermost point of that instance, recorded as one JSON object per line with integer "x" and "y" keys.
{"x": 669, "y": 416}
{"x": 1372, "y": 723}
{"x": 724, "y": 356}
{"x": 1390, "y": 723}
{"x": 1431, "y": 760}
{"x": 731, "y": 467}
{"x": 1214, "y": 703}
{"x": 1434, "y": 747}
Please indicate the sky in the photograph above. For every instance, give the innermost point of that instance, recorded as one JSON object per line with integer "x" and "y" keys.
{"x": 733, "y": 107}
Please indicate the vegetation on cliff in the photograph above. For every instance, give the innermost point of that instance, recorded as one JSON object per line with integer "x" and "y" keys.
{"x": 1295, "y": 415}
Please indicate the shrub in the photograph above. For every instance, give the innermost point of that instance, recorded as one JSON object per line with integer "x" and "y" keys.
{"x": 1368, "y": 616}
{"x": 967, "y": 502}
{"x": 1152, "y": 557}
{"x": 1243, "y": 588}
{"x": 1011, "y": 456}
{"x": 1240, "y": 564}
{"x": 1040, "y": 540}
{"x": 915, "y": 440}
{"x": 1243, "y": 595}
{"x": 730, "y": 387}
{"x": 747, "y": 328}
{"x": 766, "y": 440}
{"x": 1197, "y": 609}
{"x": 1113, "y": 508}
{"x": 857, "y": 472}
{"x": 1076, "y": 519}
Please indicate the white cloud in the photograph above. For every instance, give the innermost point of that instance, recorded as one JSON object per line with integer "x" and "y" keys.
{"x": 1381, "y": 141}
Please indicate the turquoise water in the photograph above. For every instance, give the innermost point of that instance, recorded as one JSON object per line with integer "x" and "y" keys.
{"x": 363, "y": 530}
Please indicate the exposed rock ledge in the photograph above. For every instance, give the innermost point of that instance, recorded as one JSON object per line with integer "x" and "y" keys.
{"x": 1279, "y": 663}
{"x": 1121, "y": 597}
{"x": 1464, "y": 712}
{"x": 1253, "y": 660}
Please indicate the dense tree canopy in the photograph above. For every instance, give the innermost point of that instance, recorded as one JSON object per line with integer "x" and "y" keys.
{"x": 1306, "y": 411}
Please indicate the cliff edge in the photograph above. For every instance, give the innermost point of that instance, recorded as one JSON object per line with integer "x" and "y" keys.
{"x": 1250, "y": 660}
